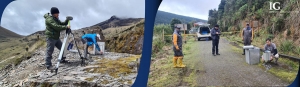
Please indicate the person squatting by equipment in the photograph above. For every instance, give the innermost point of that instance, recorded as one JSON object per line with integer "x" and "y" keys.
{"x": 53, "y": 28}
{"x": 89, "y": 40}
{"x": 177, "y": 48}
{"x": 247, "y": 36}
{"x": 269, "y": 46}
{"x": 215, "y": 35}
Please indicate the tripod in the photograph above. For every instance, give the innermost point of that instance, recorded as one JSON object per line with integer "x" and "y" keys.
{"x": 63, "y": 50}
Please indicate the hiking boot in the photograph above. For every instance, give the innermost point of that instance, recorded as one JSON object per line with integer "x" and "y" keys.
{"x": 50, "y": 68}
{"x": 64, "y": 61}
{"x": 276, "y": 59}
{"x": 218, "y": 54}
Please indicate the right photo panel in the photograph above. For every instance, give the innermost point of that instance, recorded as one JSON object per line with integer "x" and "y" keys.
{"x": 225, "y": 43}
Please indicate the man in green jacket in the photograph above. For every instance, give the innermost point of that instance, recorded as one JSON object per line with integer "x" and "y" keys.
{"x": 53, "y": 28}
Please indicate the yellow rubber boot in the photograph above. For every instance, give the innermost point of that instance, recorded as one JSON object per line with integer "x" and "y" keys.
{"x": 181, "y": 65}
{"x": 175, "y": 61}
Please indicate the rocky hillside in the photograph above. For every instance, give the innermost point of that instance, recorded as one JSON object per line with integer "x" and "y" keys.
{"x": 120, "y": 35}
{"x": 282, "y": 26}
{"x": 129, "y": 40}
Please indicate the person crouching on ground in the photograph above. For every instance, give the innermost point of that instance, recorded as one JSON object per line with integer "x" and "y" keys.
{"x": 177, "y": 48}
{"x": 53, "y": 28}
{"x": 89, "y": 40}
{"x": 269, "y": 46}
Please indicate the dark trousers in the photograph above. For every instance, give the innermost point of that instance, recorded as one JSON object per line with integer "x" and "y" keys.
{"x": 84, "y": 41}
{"x": 178, "y": 53}
{"x": 51, "y": 43}
{"x": 247, "y": 42}
{"x": 215, "y": 46}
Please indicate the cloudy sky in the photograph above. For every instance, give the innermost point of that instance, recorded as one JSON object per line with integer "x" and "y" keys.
{"x": 193, "y": 8}
{"x": 26, "y": 16}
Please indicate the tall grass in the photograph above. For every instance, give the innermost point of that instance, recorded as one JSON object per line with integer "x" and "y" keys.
{"x": 158, "y": 41}
{"x": 287, "y": 46}
{"x": 297, "y": 50}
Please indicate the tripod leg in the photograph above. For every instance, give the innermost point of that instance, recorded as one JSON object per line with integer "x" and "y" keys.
{"x": 82, "y": 59}
{"x": 61, "y": 51}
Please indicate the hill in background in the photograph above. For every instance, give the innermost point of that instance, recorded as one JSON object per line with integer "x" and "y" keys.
{"x": 5, "y": 33}
{"x": 166, "y": 17}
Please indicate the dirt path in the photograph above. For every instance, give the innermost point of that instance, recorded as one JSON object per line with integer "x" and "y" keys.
{"x": 229, "y": 68}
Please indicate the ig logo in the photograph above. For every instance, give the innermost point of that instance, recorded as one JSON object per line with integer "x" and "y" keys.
{"x": 272, "y": 6}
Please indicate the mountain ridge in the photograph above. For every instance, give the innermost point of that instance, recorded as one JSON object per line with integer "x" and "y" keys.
{"x": 163, "y": 17}
{"x": 6, "y": 33}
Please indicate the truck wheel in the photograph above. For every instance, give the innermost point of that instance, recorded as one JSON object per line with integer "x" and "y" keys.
{"x": 210, "y": 38}
{"x": 199, "y": 39}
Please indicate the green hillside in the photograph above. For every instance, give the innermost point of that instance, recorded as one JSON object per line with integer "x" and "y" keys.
{"x": 166, "y": 17}
{"x": 5, "y": 33}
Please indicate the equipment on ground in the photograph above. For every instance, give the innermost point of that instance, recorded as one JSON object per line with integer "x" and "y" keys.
{"x": 252, "y": 54}
{"x": 267, "y": 55}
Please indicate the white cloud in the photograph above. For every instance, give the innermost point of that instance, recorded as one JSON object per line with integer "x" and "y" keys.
{"x": 26, "y": 16}
{"x": 193, "y": 8}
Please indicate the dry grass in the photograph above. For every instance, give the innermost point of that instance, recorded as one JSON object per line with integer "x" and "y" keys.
{"x": 162, "y": 73}
{"x": 113, "y": 67}
{"x": 13, "y": 51}
{"x": 110, "y": 32}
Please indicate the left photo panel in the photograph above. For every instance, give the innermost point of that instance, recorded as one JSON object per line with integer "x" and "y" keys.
{"x": 71, "y": 43}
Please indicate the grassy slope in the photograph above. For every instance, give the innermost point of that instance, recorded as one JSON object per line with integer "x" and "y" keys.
{"x": 167, "y": 76}
{"x": 13, "y": 52}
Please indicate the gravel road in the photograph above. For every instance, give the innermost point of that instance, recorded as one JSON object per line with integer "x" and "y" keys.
{"x": 230, "y": 68}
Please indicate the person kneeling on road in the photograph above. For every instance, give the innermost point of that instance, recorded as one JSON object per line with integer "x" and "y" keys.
{"x": 177, "y": 47}
{"x": 53, "y": 28}
{"x": 269, "y": 46}
{"x": 89, "y": 40}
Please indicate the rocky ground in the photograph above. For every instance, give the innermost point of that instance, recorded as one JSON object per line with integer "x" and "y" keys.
{"x": 110, "y": 69}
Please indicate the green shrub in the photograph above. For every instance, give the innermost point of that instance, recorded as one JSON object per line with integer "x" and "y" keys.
{"x": 287, "y": 46}
{"x": 271, "y": 36}
{"x": 243, "y": 11}
{"x": 279, "y": 23}
{"x": 157, "y": 45}
{"x": 159, "y": 28}
{"x": 259, "y": 13}
{"x": 297, "y": 50}
{"x": 168, "y": 39}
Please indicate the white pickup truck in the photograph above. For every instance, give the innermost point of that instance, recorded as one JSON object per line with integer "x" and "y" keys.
{"x": 203, "y": 32}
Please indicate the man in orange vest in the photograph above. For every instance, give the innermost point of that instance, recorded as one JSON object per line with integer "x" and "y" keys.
{"x": 177, "y": 47}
